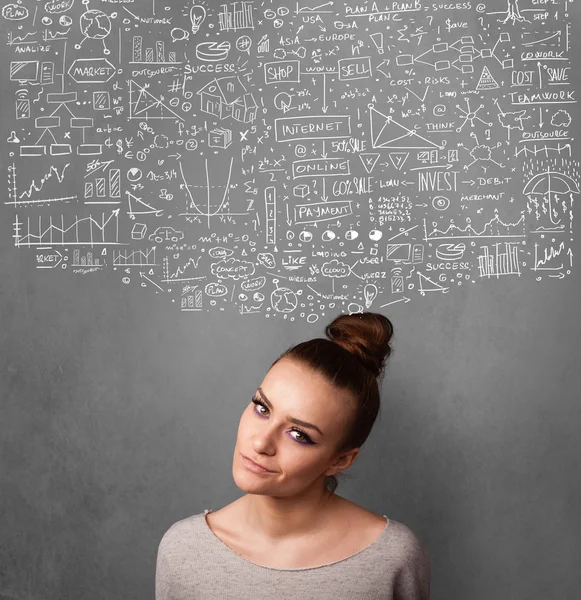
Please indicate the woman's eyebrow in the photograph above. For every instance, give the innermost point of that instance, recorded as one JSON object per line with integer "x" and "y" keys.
{"x": 291, "y": 419}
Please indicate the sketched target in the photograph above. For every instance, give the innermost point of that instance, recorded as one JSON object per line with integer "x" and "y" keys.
{"x": 441, "y": 203}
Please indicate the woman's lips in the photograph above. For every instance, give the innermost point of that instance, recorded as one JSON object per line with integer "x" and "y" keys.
{"x": 254, "y": 467}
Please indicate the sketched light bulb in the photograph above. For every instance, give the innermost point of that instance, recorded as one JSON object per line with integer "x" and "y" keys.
{"x": 370, "y": 292}
{"x": 197, "y": 16}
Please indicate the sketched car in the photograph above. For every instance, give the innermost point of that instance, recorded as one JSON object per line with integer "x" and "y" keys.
{"x": 166, "y": 234}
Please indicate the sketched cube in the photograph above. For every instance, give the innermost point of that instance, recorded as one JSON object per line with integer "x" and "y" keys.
{"x": 466, "y": 39}
{"x": 440, "y": 47}
{"x": 219, "y": 138}
{"x": 465, "y": 58}
{"x": 486, "y": 52}
{"x": 467, "y": 69}
{"x": 504, "y": 37}
{"x": 441, "y": 65}
{"x": 404, "y": 60}
{"x": 508, "y": 63}
{"x": 301, "y": 190}
{"x": 138, "y": 231}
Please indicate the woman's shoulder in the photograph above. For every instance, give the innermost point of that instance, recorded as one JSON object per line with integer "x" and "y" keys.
{"x": 406, "y": 540}
{"x": 408, "y": 557}
{"x": 183, "y": 529}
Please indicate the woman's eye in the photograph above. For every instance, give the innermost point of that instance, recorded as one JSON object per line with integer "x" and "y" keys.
{"x": 304, "y": 439}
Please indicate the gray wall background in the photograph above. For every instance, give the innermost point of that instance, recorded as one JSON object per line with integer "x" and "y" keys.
{"x": 118, "y": 420}
{"x": 118, "y": 417}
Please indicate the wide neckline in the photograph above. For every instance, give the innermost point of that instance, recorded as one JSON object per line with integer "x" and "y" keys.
{"x": 375, "y": 541}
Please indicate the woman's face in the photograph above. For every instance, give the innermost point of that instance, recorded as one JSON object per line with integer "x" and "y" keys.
{"x": 297, "y": 454}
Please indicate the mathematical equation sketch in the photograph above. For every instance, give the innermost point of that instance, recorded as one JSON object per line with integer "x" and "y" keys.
{"x": 291, "y": 159}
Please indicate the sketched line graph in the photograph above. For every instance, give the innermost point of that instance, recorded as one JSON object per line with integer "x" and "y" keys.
{"x": 86, "y": 231}
{"x": 194, "y": 207}
{"x": 135, "y": 258}
{"x": 15, "y": 40}
{"x": 180, "y": 274}
{"x": 495, "y": 228}
{"x": 17, "y": 199}
{"x": 325, "y": 8}
{"x": 551, "y": 254}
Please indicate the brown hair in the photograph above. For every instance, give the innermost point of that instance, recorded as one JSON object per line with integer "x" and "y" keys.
{"x": 352, "y": 357}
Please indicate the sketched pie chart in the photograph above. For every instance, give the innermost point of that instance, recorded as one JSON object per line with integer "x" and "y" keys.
{"x": 134, "y": 174}
{"x": 212, "y": 51}
{"x": 282, "y": 101}
{"x": 451, "y": 251}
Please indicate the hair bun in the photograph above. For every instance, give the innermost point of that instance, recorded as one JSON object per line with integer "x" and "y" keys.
{"x": 366, "y": 335}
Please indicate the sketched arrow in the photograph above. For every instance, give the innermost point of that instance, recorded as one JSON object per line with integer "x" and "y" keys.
{"x": 404, "y": 299}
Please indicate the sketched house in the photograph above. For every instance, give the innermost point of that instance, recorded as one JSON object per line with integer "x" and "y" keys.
{"x": 227, "y": 97}
{"x": 244, "y": 108}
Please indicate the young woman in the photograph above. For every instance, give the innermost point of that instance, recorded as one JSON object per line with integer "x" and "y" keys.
{"x": 291, "y": 535}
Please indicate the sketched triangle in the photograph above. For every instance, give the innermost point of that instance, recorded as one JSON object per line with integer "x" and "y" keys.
{"x": 398, "y": 159}
{"x": 486, "y": 81}
{"x": 369, "y": 160}
{"x": 387, "y": 133}
{"x": 140, "y": 204}
{"x": 433, "y": 287}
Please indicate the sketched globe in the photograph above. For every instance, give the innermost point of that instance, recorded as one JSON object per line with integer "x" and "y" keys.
{"x": 283, "y": 300}
{"x": 95, "y": 25}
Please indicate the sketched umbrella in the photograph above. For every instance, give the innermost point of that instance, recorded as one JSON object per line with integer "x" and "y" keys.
{"x": 551, "y": 184}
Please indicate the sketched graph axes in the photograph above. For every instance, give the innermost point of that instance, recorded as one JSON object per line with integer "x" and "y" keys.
{"x": 194, "y": 205}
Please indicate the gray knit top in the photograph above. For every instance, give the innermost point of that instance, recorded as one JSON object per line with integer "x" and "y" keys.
{"x": 194, "y": 564}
